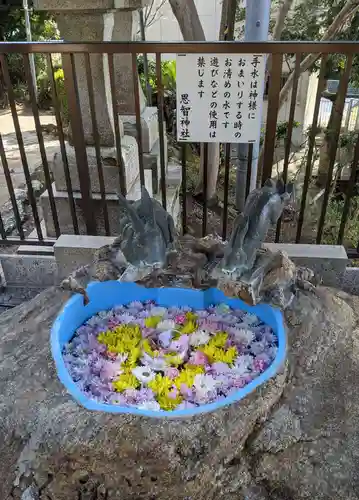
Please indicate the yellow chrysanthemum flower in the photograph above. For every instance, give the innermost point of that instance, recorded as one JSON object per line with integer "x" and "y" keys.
{"x": 219, "y": 340}
{"x": 133, "y": 357}
{"x": 191, "y": 316}
{"x": 217, "y": 354}
{"x": 189, "y": 327}
{"x": 160, "y": 384}
{"x": 123, "y": 339}
{"x": 167, "y": 403}
{"x": 126, "y": 381}
{"x": 187, "y": 375}
{"x": 152, "y": 321}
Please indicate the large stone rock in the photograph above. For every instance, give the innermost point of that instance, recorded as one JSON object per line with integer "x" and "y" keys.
{"x": 296, "y": 437}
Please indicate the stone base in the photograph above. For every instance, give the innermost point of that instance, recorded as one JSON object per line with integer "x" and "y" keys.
{"x": 149, "y": 125}
{"x": 74, "y": 251}
{"x": 327, "y": 261}
{"x": 110, "y": 170}
{"x": 64, "y": 214}
{"x": 152, "y": 162}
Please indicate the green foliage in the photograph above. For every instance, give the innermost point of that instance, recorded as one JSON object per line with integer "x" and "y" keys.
{"x": 45, "y": 94}
{"x": 168, "y": 77}
{"x": 168, "y": 74}
{"x": 12, "y": 28}
{"x": 333, "y": 219}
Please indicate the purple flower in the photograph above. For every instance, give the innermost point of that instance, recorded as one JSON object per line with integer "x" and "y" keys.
{"x": 186, "y": 405}
{"x": 198, "y": 358}
{"x": 171, "y": 372}
{"x": 186, "y": 392}
{"x": 165, "y": 338}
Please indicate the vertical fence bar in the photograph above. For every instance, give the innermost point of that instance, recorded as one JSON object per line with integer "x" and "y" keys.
{"x": 45, "y": 164}
{"x": 249, "y": 169}
{"x": 119, "y": 158}
{"x": 272, "y": 116}
{"x": 10, "y": 188}
{"x": 184, "y": 188}
{"x": 288, "y": 139}
{"x": 160, "y": 107}
{"x": 60, "y": 131}
{"x": 20, "y": 142}
{"x": 96, "y": 137}
{"x": 342, "y": 91}
{"x": 2, "y": 229}
{"x": 227, "y": 157}
{"x": 78, "y": 137}
{"x": 312, "y": 135}
{"x": 349, "y": 194}
{"x": 205, "y": 188}
{"x": 136, "y": 89}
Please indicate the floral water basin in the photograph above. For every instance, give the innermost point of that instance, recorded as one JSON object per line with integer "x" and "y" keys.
{"x": 164, "y": 352}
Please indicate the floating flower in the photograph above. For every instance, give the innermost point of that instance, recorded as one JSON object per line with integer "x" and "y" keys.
{"x": 156, "y": 358}
{"x": 205, "y": 387}
{"x": 198, "y": 358}
{"x": 158, "y": 363}
{"x": 160, "y": 384}
{"x": 166, "y": 324}
{"x": 171, "y": 372}
{"x": 144, "y": 374}
{"x": 165, "y": 338}
{"x": 242, "y": 336}
{"x": 126, "y": 381}
{"x": 149, "y": 406}
{"x": 152, "y": 321}
{"x": 199, "y": 337}
{"x": 180, "y": 319}
{"x": 158, "y": 311}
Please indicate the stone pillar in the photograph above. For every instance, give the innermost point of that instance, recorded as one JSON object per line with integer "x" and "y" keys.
{"x": 81, "y": 21}
{"x": 123, "y": 31}
{"x": 89, "y": 27}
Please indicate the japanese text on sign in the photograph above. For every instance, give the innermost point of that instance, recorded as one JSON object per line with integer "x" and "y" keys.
{"x": 218, "y": 97}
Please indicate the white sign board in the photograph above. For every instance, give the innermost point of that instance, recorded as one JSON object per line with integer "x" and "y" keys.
{"x": 219, "y": 97}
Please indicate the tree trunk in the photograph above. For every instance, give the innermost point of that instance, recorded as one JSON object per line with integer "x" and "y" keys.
{"x": 279, "y": 26}
{"x": 328, "y": 148}
{"x": 191, "y": 28}
{"x": 347, "y": 12}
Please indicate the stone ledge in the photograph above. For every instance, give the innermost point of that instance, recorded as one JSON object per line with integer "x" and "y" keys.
{"x": 28, "y": 270}
{"x": 64, "y": 213}
{"x": 328, "y": 261}
{"x": 74, "y": 251}
{"x": 129, "y": 151}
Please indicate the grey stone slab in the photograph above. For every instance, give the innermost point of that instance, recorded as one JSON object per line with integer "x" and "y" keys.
{"x": 327, "y": 261}
{"x": 30, "y": 271}
{"x": 74, "y": 251}
{"x": 64, "y": 214}
{"x": 110, "y": 170}
{"x": 149, "y": 127}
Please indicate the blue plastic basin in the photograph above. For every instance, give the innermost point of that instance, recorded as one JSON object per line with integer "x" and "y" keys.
{"x": 104, "y": 296}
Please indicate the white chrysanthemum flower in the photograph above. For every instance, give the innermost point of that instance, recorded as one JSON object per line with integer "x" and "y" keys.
{"x": 165, "y": 338}
{"x": 94, "y": 321}
{"x": 149, "y": 405}
{"x": 166, "y": 324}
{"x": 157, "y": 364}
{"x": 200, "y": 337}
{"x": 105, "y": 314}
{"x": 250, "y": 319}
{"x": 204, "y": 385}
{"x": 243, "y": 365}
{"x": 243, "y": 336}
{"x": 144, "y": 374}
{"x": 158, "y": 311}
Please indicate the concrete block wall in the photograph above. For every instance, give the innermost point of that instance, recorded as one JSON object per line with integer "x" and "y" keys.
{"x": 74, "y": 251}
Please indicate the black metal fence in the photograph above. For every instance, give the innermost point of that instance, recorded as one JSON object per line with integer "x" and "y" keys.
{"x": 297, "y": 51}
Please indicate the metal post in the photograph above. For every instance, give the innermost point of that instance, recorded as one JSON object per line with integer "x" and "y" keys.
{"x": 145, "y": 60}
{"x": 29, "y": 39}
{"x": 256, "y": 30}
